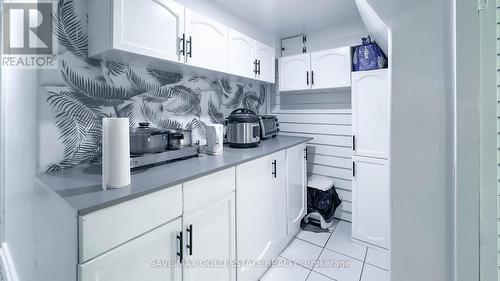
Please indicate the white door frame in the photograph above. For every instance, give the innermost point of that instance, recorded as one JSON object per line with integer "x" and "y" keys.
{"x": 488, "y": 249}
{"x": 466, "y": 141}
{"x": 2, "y": 138}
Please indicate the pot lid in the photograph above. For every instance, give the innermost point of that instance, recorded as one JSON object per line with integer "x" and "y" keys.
{"x": 243, "y": 115}
{"x": 145, "y": 129}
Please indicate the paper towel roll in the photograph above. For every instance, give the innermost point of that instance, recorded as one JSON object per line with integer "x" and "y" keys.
{"x": 115, "y": 153}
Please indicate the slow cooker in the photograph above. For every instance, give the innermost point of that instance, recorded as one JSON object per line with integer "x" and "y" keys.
{"x": 243, "y": 128}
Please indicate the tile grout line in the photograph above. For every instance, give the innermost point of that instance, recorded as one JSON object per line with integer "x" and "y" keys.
{"x": 322, "y": 250}
{"x": 364, "y": 263}
{"x": 377, "y": 266}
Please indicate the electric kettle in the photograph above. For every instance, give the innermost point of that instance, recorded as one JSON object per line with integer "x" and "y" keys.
{"x": 215, "y": 139}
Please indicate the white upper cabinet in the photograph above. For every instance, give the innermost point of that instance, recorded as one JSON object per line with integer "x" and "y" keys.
{"x": 113, "y": 26}
{"x": 241, "y": 55}
{"x": 317, "y": 70}
{"x": 163, "y": 33}
{"x": 370, "y": 201}
{"x": 331, "y": 68}
{"x": 206, "y": 42}
{"x": 294, "y": 72}
{"x": 266, "y": 68}
{"x": 370, "y": 113}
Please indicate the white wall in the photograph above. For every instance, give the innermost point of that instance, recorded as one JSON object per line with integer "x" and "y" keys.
{"x": 422, "y": 139}
{"x": 20, "y": 103}
{"x": 374, "y": 24}
{"x": 19, "y": 158}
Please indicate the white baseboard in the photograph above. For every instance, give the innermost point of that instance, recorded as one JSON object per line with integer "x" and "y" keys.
{"x": 8, "y": 264}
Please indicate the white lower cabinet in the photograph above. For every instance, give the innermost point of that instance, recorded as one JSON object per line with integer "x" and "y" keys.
{"x": 245, "y": 214}
{"x": 278, "y": 187}
{"x": 263, "y": 207}
{"x": 152, "y": 257}
{"x": 254, "y": 213}
{"x": 370, "y": 202}
{"x": 210, "y": 241}
{"x": 296, "y": 191}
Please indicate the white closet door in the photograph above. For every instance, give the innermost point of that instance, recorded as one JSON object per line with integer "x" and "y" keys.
{"x": 371, "y": 201}
{"x": 296, "y": 187}
{"x": 370, "y": 113}
{"x": 206, "y": 42}
{"x": 294, "y": 72}
{"x": 331, "y": 68}
{"x": 267, "y": 58}
{"x": 254, "y": 230}
{"x": 147, "y": 257}
{"x": 210, "y": 236}
{"x": 156, "y": 34}
{"x": 241, "y": 54}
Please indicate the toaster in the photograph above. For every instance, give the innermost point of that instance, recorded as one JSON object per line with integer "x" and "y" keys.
{"x": 269, "y": 126}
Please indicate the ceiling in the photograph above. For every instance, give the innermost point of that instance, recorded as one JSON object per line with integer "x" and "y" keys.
{"x": 291, "y": 17}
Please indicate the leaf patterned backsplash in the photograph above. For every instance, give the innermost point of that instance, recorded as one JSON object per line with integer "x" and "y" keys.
{"x": 83, "y": 90}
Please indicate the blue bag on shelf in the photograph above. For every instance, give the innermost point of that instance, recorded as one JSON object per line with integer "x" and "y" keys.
{"x": 368, "y": 56}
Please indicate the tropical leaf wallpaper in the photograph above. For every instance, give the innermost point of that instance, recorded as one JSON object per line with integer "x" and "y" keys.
{"x": 82, "y": 91}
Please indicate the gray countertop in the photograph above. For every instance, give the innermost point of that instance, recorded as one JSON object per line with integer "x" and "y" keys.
{"x": 81, "y": 186}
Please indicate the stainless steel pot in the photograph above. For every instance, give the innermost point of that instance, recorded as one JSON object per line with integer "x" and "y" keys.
{"x": 146, "y": 140}
{"x": 178, "y": 139}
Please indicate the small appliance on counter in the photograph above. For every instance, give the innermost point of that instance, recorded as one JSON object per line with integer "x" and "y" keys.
{"x": 150, "y": 146}
{"x": 243, "y": 128}
{"x": 269, "y": 126}
{"x": 215, "y": 139}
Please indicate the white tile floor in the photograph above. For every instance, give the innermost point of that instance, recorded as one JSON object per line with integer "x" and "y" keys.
{"x": 329, "y": 256}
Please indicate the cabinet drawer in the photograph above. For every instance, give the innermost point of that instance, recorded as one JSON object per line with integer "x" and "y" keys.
{"x": 206, "y": 189}
{"x": 105, "y": 229}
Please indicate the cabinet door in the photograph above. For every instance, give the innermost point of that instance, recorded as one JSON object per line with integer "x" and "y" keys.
{"x": 241, "y": 55}
{"x": 294, "y": 72}
{"x": 370, "y": 201}
{"x": 279, "y": 218}
{"x": 267, "y": 58}
{"x": 210, "y": 236}
{"x": 296, "y": 187}
{"x": 206, "y": 42}
{"x": 156, "y": 34}
{"x": 254, "y": 216}
{"x": 331, "y": 68}
{"x": 148, "y": 257}
{"x": 370, "y": 113}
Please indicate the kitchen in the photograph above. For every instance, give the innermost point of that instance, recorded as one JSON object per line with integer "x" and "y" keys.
{"x": 186, "y": 140}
